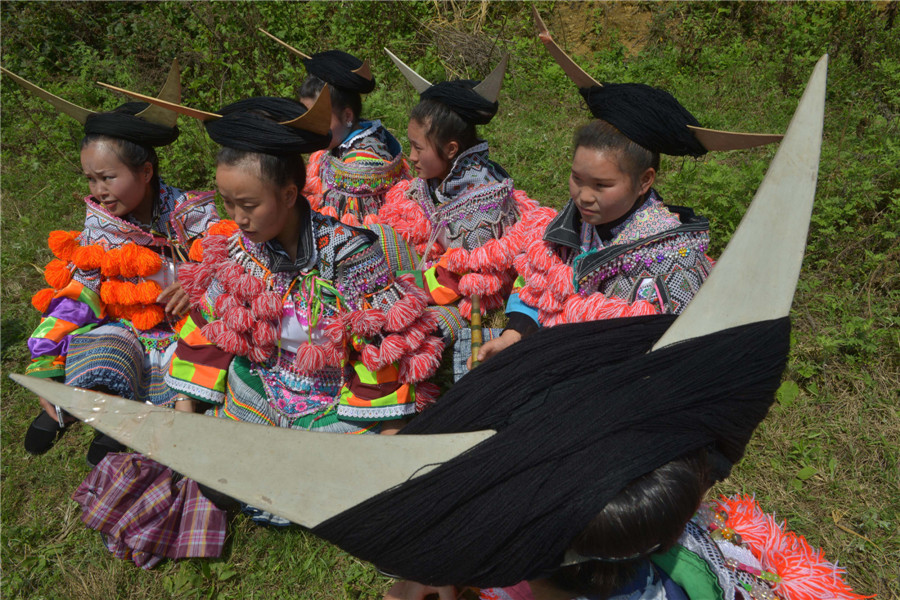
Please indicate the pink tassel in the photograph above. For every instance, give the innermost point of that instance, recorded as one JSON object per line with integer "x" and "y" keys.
{"x": 249, "y": 287}
{"x": 458, "y": 260}
{"x": 204, "y": 276}
{"x": 418, "y": 367}
{"x": 478, "y": 259}
{"x": 264, "y": 334}
{"x": 351, "y": 220}
{"x": 403, "y": 313}
{"x": 370, "y": 220}
{"x": 493, "y": 301}
{"x": 260, "y": 354}
{"x": 465, "y": 308}
{"x": 480, "y": 284}
{"x": 393, "y": 347}
{"x": 367, "y": 323}
{"x": 559, "y": 281}
{"x": 548, "y": 303}
{"x": 427, "y": 394}
{"x": 574, "y": 310}
{"x": 334, "y": 329}
{"x": 228, "y": 273}
{"x": 500, "y": 254}
{"x": 334, "y": 354}
{"x": 233, "y": 342}
{"x": 238, "y": 319}
{"x": 538, "y": 280}
{"x": 266, "y": 306}
{"x": 371, "y": 357}
{"x": 213, "y": 331}
{"x": 310, "y": 358}
{"x": 215, "y": 249}
{"x": 225, "y": 303}
{"x": 329, "y": 211}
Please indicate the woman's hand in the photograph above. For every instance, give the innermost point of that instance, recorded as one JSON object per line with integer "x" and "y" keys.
{"x": 492, "y": 347}
{"x": 410, "y": 590}
{"x": 176, "y": 300}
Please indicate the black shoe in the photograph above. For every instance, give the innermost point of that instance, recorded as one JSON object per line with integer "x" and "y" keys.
{"x": 222, "y": 501}
{"x": 42, "y": 434}
{"x": 100, "y": 447}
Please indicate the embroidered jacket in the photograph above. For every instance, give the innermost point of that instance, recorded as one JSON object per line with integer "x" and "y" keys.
{"x": 114, "y": 270}
{"x": 467, "y": 229}
{"x": 654, "y": 262}
{"x": 332, "y": 329}
{"x": 350, "y": 181}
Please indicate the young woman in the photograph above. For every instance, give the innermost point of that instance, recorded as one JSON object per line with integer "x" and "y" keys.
{"x": 615, "y": 250}
{"x": 111, "y": 315}
{"x": 461, "y": 214}
{"x": 349, "y": 179}
{"x": 296, "y": 318}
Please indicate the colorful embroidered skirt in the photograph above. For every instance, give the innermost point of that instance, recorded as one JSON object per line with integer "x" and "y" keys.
{"x": 113, "y": 357}
{"x": 145, "y": 516}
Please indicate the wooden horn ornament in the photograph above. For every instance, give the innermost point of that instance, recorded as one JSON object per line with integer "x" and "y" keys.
{"x": 170, "y": 92}
{"x": 419, "y": 83}
{"x": 64, "y": 106}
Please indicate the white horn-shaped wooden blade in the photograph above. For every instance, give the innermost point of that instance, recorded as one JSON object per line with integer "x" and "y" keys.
{"x": 178, "y": 108}
{"x": 285, "y": 44}
{"x": 417, "y": 81}
{"x": 717, "y": 140}
{"x": 575, "y": 73}
{"x": 756, "y": 276}
{"x": 489, "y": 88}
{"x": 64, "y": 106}
{"x": 318, "y": 118}
{"x": 302, "y": 476}
{"x": 170, "y": 92}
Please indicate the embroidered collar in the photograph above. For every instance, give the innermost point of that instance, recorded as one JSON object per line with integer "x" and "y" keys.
{"x": 369, "y": 129}
{"x": 471, "y": 168}
{"x": 306, "y": 250}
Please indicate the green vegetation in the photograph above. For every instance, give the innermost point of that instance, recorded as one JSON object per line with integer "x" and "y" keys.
{"x": 826, "y": 458}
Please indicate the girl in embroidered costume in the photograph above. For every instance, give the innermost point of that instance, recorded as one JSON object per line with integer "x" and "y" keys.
{"x": 461, "y": 215}
{"x": 296, "y": 319}
{"x": 615, "y": 250}
{"x": 110, "y": 315}
{"x": 348, "y": 179}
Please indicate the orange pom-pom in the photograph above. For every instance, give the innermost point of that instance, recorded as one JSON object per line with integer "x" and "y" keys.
{"x": 88, "y": 257}
{"x": 136, "y": 261}
{"x": 62, "y": 244}
{"x": 109, "y": 291}
{"x": 126, "y": 293}
{"x": 196, "y": 251}
{"x": 148, "y": 317}
{"x": 57, "y": 274}
{"x": 41, "y": 300}
{"x": 147, "y": 292}
{"x": 109, "y": 264}
{"x": 225, "y": 227}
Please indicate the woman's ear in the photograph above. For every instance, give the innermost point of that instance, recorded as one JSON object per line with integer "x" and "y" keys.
{"x": 289, "y": 195}
{"x": 347, "y": 117}
{"x": 646, "y": 180}
{"x": 451, "y": 149}
{"x": 146, "y": 172}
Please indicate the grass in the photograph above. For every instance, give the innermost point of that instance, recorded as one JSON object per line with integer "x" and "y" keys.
{"x": 827, "y": 456}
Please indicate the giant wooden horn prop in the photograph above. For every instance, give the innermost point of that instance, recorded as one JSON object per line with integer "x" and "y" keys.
{"x": 747, "y": 285}
{"x": 711, "y": 139}
{"x": 417, "y": 81}
{"x": 317, "y": 119}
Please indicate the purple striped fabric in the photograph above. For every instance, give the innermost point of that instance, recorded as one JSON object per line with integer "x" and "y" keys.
{"x": 145, "y": 516}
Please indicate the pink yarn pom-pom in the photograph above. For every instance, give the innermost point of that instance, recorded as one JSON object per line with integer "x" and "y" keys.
{"x": 228, "y": 273}
{"x": 351, "y": 220}
{"x": 213, "y": 331}
{"x": 367, "y": 323}
{"x": 393, "y": 347}
{"x": 334, "y": 329}
{"x": 224, "y": 304}
{"x": 457, "y": 260}
{"x": 427, "y": 394}
{"x": 215, "y": 249}
{"x": 542, "y": 256}
{"x": 238, "y": 319}
{"x": 248, "y": 287}
{"x": 233, "y": 342}
{"x": 403, "y": 313}
{"x": 260, "y": 354}
{"x": 371, "y": 357}
{"x": 559, "y": 281}
{"x": 264, "y": 333}
{"x": 371, "y": 220}
{"x": 328, "y": 211}
{"x": 310, "y": 358}
{"x": 266, "y": 305}
{"x": 418, "y": 367}
{"x": 334, "y": 354}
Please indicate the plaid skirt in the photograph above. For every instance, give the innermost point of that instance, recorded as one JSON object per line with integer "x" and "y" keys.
{"x": 113, "y": 357}
{"x": 145, "y": 515}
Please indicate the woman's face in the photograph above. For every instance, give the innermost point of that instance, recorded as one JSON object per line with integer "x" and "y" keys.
{"x": 118, "y": 188}
{"x": 601, "y": 190}
{"x": 423, "y": 155}
{"x": 260, "y": 209}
